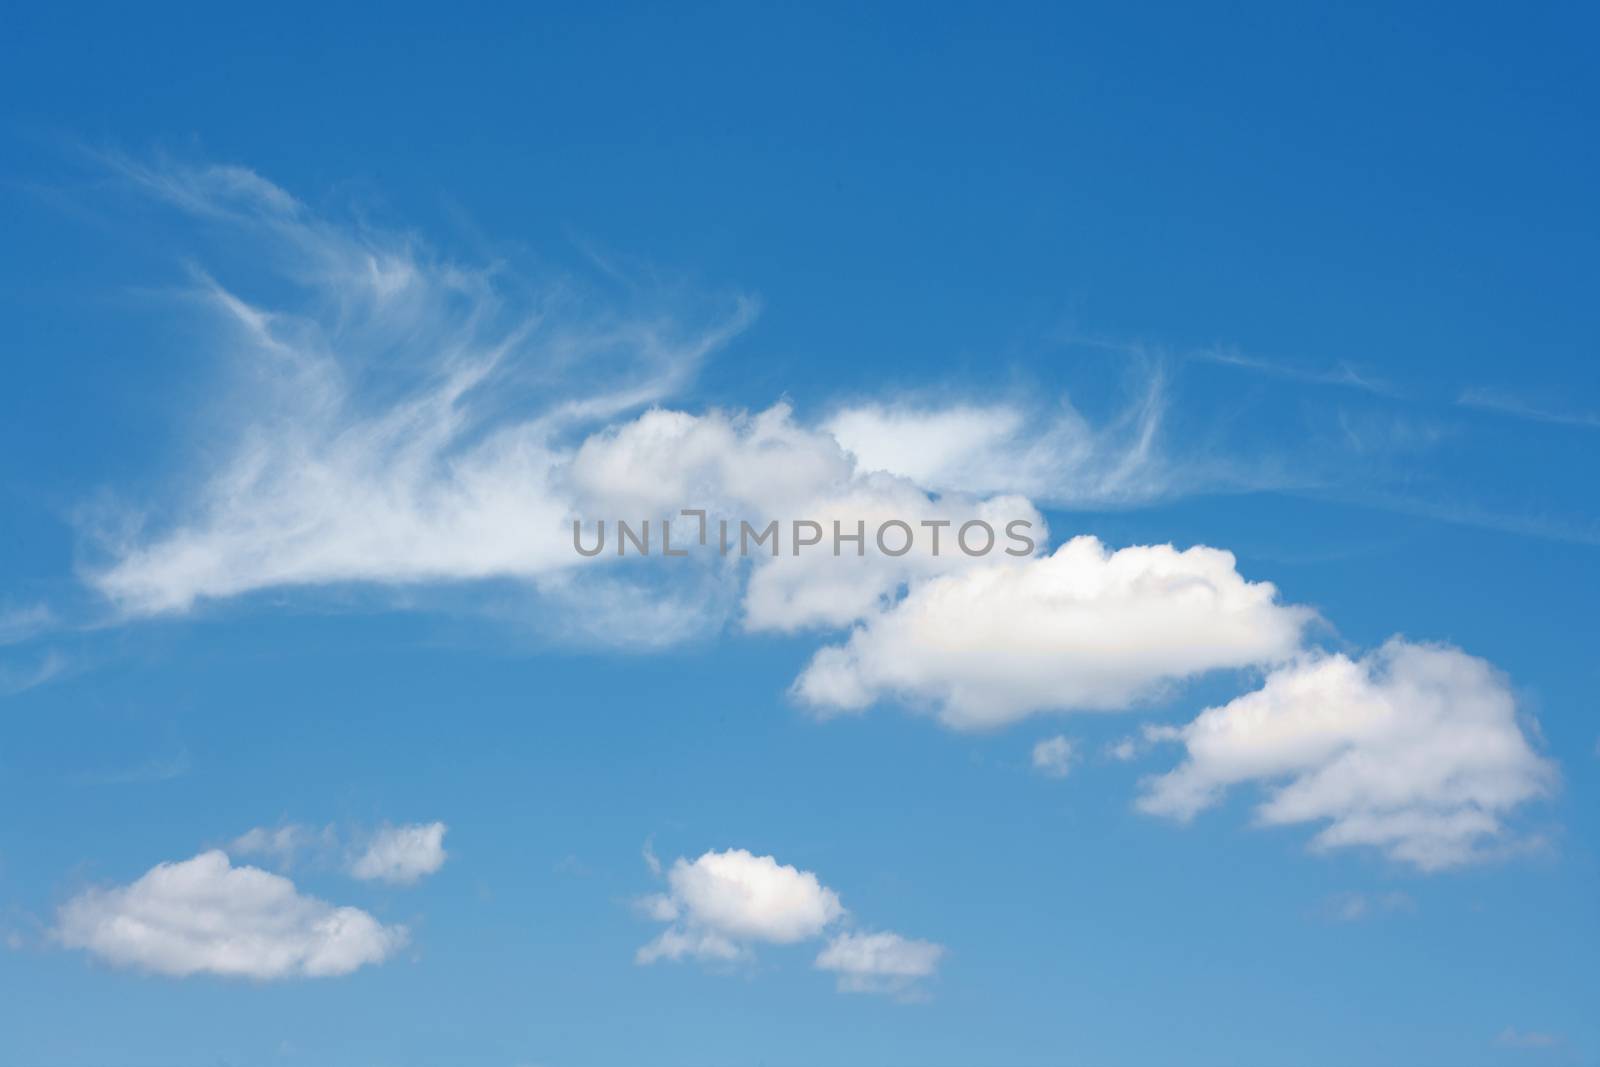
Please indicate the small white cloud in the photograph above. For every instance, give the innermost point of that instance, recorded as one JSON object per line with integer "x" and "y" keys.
{"x": 1415, "y": 749}
{"x": 401, "y": 854}
{"x": 719, "y": 906}
{"x": 283, "y": 845}
{"x": 879, "y": 962}
{"x": 1123, "y": 750}
{"x": 1053, "y": 756}
{"x": 1083, "y": 629}
{"x": 205, "y": 916}
{"x": 723, "y": 902}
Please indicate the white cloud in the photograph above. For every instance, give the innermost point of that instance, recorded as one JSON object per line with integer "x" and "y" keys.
{"x": 402, "y": 419}
{"x": 205, "y": 916}
{"x": 1053, "y": 756}
{"x": 719, "y": 906}
{"x": 722, "y": 902}
{"x": 1414, "y": 749}
{"x": 401, "y": 854}
{"x": 819, "y": 589}
{"x": 282, "y": 844}
{"x": 879, "y": 962}
{"x": 938, "y": 447}
{"x": 1052, "y": 455}
{"x": 397, "y": 421}
{"x": 1082, "y": 629}
{"x": 766, "y": 466}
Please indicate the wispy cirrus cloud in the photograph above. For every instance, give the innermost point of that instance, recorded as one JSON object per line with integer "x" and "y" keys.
{"x": 399, "y": 416}
{"x": 1508, "y": 403}
{"x": 22, "y": 673}
{"x": 23, "y": 622}
{"x": 1341, "y": 373}
{"x": 1051, "y": 454}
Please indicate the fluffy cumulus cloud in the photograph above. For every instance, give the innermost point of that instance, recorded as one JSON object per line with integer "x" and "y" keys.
{"x": 879, "y": 962}
{"x": 206, "y": 916}
{"x": 1085, "y": 628}
{"x": 722, "y": 902}
{"x": 1414, "y": 749}
{"x": 401, "y": 855}
{"x": 766, "y": 467}
{"x": 719, "y": 906}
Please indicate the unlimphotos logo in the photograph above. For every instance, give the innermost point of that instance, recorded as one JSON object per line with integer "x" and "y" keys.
{"x": 892, "y": 537}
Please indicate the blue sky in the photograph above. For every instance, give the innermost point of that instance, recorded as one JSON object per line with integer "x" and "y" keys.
{"x": 319, "y": 745}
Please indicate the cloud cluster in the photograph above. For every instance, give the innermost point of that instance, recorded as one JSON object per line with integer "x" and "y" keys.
{"x": 404, "y": 419}
{"x": 719, "y": 906}
{"x": 1414, "y": 749}
{"x": 1084, "y": 629}
{"x": 206, "y": 916}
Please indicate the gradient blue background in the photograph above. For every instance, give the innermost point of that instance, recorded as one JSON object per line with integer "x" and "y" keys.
{"x": 922, "y": 196}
